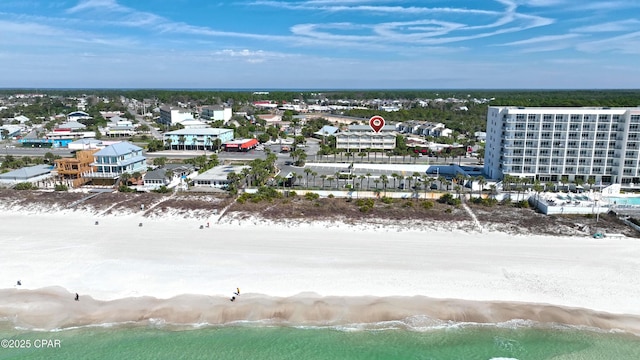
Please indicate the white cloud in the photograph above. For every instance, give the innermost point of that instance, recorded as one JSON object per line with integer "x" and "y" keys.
{"x": 623, "y": 44}
{"x": 109, "y": 5}
{"x": 614, "y": 26}
{"x": 542, "y": 39}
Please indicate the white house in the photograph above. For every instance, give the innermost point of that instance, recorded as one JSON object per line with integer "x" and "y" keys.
{"x": 170, "y": 115}
{"x": 216, "y": 112}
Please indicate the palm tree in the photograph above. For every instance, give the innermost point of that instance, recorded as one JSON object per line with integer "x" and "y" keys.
{"x": 169, "y": 175}
{"x": 376, "y": 181}
{"x": 314, "y": 174}
{"x": 548, "y": 186}
{"x": 506, "y": 182}
{"x": 362, "y": 155}
{"x": 336, "y": 175}
{"x": 441, "y": 180}
{"x": 307, "y": 171}
{"x": 415, "y": 177}
{"x": 415, "y": 156}
{"x": 245, "y": 175}
{"x": 460, "y": 180}
{"x": 481, "y": 183}
{"x": 136, "y": 175}
{"x": 181, "y": 140}
{"x": 277, "y": 179}
{"x": 395, "y": 178}
{"x": 537, "y": 187}
{"x": 368, "y": 179}
{"x": 124, "y": 178}
{"x": 385, "y": 181}
{"x": 169, "y": 141}
{"x": 361, "y": 177}
{"x": 323, "y": 177}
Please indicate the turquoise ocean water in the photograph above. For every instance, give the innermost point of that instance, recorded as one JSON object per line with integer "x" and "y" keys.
{"x": 242, "y": 341}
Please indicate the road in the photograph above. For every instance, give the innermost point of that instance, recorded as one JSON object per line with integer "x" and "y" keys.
{"x": 152, "y": 125}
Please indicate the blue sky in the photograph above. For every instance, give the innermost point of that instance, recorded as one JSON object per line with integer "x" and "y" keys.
{"x": 320, "y": 44}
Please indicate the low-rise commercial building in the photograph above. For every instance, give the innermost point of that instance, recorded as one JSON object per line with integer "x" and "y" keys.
{"x": 197, "y": 139}
{"x": 216, "y": 113}
{"x": 170, "y": 115}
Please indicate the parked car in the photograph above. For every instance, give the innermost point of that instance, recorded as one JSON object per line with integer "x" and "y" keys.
{"x": 433, "y": 186}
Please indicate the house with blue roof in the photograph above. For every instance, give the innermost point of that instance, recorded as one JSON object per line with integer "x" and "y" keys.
{"x": 36, "y": 175}
{"x": 114, "y": 160}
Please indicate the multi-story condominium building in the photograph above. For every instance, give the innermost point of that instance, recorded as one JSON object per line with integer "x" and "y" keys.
{"x": 170, "y": 115}
{"x": 118, "y": 126}
{"x": 216, "y": 112}
{"x": 599, "y": 145}
{"x": 197, "y": 139}
{"x": 358, "y": 141}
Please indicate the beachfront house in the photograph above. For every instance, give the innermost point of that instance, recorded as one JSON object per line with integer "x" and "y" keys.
{"x": 114, "y": 160}
{"x": 216, "y": 177}
{"x": 37, "y": 175}
{"x": 169, "y": 175}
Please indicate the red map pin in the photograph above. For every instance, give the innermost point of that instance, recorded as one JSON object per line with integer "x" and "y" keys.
{"x": 376, "y": 123}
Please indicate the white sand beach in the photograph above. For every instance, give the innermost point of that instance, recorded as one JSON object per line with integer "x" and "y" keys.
{"x": 124, "y": 272}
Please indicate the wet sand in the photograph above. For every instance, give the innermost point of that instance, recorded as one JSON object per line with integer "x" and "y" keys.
{"x": 55, "y": 308}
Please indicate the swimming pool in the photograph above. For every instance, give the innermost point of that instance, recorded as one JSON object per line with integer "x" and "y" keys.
{"x": 626, "y": 201}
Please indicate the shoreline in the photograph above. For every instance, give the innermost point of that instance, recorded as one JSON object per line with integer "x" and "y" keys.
{"x": 53, "y": 309}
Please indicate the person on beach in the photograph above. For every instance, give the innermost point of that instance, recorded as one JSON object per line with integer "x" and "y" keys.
{"x": 77, "y": 297}
{"x": 19, "y": 283}
{"x": 237, "y": 292}
{"x": 233, "y": 298}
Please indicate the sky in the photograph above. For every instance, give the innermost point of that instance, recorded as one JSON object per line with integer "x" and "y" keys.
{"x": 320, "y": 44}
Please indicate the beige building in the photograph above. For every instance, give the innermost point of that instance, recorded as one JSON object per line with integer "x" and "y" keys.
{"x": 350, "y": 140}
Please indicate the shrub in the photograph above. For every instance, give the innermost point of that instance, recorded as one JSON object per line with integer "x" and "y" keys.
{"x": 427, "y": 204}
{"x": 25, "y": 186}
{"x": 330, "y": 196}
{"x": 365, "y": 202}
{"x": 125, "y": 189}
{"x": 449, "y": 200}
{"x": 61, "y": 187}
{"x": 407, "y": 204}
{"x": 387, "y": 200}
{"x": 311, "y": 196}
{"x": 162, "y": 190}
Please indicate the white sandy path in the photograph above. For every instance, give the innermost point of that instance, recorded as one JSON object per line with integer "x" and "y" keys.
{"x": 167, "y": 257}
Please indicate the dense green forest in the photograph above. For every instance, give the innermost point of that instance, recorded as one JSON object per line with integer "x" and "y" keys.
{"x": 610, "y": 98}
{"x": 462, "y": 121}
